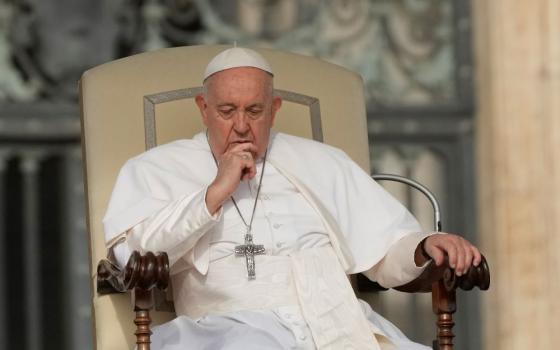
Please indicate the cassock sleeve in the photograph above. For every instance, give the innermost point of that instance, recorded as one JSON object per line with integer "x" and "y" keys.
{"x": 398, "y": 267}
{"x": 175, "y": 229}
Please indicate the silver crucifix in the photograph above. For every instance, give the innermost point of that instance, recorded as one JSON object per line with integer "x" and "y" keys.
{"x": 249, "y": 250}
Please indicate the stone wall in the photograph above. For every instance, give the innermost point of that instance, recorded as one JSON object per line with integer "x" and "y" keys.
{"x": 518, "y": 129}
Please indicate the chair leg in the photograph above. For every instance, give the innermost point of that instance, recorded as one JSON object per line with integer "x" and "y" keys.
{"x": 444, "y": 305}
{"x": 143, "y": 331}
{"x": 143, "y": 302}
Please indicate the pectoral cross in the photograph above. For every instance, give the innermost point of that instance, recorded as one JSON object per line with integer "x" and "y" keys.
{"x": 249, "y": 250}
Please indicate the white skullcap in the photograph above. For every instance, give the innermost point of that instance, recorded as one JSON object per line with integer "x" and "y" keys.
{"x": 234, "y": 58}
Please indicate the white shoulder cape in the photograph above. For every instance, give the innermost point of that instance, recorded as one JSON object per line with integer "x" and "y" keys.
{"x": 362, "y": 219}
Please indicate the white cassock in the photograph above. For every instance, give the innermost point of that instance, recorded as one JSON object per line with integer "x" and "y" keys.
{"x": 319, "y": 217}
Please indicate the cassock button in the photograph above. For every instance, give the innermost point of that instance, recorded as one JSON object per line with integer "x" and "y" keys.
{"x": 302, "y": 337}
{"x": 279, "y": 244}
{"x": 276, "y": 226}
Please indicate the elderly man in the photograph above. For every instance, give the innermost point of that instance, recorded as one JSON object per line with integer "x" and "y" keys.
{"x": 261, "y": 228}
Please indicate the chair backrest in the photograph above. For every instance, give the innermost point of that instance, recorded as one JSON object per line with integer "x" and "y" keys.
{"x": 136, "y": 102}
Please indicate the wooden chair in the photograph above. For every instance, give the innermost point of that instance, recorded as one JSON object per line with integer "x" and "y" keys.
{"x": 138, "y": 102}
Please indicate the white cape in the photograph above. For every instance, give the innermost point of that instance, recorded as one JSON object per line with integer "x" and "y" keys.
{"x": 362, "y": 219}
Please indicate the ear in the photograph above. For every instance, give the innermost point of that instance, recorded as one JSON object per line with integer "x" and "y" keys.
{"x": 203, "y": 107}
{"x": 276, "y": 104}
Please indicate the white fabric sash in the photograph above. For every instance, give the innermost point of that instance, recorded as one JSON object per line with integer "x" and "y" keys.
{"x": 225, "y": 288}
{"x": 328, "y": 302}
{"x": 310, "y": 278}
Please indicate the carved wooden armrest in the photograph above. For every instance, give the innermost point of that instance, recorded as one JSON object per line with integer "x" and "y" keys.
{"x": 476, "y": 276}
{"x": 141, "y": 271}
{"x": 142, "y": 275}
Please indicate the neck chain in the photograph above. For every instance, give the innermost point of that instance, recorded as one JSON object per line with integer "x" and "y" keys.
{"x": 249, "y": 249}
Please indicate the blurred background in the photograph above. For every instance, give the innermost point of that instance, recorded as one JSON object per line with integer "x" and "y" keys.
{"x": 463, "y": 96}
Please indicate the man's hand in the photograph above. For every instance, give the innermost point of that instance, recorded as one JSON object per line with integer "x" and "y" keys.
{"x": 462, "y": 254}
{"x": 236, "y": 164}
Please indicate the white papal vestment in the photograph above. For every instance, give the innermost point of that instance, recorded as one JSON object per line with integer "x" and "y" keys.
{"x": 301, "y": 297}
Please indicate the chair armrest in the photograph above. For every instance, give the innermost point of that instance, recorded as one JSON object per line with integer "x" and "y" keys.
{"x": 141, "y": 272}
{"x": 143, "y": 275}
{"x": 476, "y": 276}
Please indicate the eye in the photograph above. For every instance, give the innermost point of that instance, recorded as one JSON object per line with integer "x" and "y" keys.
{"x": 226, "y": 112}
{"x": 255, "y": 112}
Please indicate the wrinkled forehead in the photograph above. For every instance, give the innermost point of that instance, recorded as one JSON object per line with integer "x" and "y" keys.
{"x": 241, "y": 81}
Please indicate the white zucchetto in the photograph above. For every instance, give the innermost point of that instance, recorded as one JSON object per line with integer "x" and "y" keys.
{"x": 234, "y": 58}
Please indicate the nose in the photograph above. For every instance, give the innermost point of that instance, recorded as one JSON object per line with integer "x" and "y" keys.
{"x": 241, "y": 123}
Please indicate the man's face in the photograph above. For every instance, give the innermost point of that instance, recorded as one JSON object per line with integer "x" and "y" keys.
{"x": 238, "y": 106}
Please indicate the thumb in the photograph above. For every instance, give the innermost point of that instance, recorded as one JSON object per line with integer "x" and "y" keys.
{"x": 437, "y": 254}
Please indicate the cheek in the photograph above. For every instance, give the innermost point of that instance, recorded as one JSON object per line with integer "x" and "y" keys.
{"x": 262, "y": 131}
{"x": 220, "y": 131}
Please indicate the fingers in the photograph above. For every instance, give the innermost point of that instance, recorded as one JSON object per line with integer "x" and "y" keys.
{"x": 472, "y": 256}
{"x": 233, "y": 167}
{"x": 438, "y": 256}
{"x": 432, "y": 248}
{"x": 243, "y": 147}
{"x": 240, "y": 157}
{"x": 477, "y": 257}
{"x": 461, "y": 253}
{"x": 451, "y": 253}
{"x": 249, "y": 167}
{"x": 464, "y": 258}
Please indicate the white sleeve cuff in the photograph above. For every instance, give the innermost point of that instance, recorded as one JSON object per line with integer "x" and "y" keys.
{"x": 398, "y": 266}
{"x": 121, "y": 252}
{"x": 217, "y": 215}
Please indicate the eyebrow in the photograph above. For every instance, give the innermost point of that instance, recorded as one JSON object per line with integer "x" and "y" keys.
{"x": 227, "y": 104}
{"x": 256, "y": 105}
